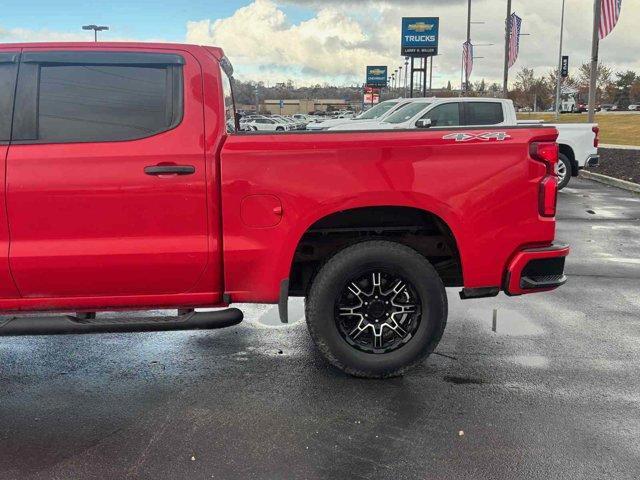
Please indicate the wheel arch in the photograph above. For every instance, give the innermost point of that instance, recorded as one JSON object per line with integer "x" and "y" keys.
{"x": 568, "y": 151}
{"x": 426, "y": 231}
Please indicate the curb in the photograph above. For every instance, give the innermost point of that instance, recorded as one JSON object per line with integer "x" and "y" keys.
{"x": 614, "y": 182}
{"x": 618, "y": 147}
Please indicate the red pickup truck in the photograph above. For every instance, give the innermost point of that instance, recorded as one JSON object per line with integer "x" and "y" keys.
{"x": 127, "y": 185}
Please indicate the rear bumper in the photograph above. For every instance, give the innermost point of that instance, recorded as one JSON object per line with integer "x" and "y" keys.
{"x": 593, "y": 160}
{"x": 536, "y": 270}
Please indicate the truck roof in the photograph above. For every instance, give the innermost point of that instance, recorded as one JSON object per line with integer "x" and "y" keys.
{"x": 217, "y": 52}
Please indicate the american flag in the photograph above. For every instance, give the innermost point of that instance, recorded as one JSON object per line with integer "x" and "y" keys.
{"x": 609, "y": 13}
{"x": 467, "y": 58}
{"x": 514, "y": 38}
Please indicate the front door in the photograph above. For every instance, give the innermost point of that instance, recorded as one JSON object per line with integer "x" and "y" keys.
{"x": 8, "y": 72}
{"x": 106, "y": 181}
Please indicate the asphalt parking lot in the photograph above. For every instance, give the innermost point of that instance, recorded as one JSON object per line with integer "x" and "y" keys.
{"x": 553, "y": 393}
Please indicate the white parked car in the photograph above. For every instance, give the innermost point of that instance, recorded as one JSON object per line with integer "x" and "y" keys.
{"x": 302, "y": 119}
{"x": 285, "y": 120}
{"x": 267, "y": 124}
{"x": 578, "y": 142}
{"x": 635, "y": 108}
{"x": 360, "y": 122}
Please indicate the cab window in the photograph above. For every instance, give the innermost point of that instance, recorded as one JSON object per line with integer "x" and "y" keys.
{"x": 445, "y": 115}
{"x": 484, "y": 113}
{"x": 8, "y": 71}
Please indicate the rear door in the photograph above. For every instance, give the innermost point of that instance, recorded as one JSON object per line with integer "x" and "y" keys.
{"x": 8, "y": 72}
{"x": 106, "y": 184}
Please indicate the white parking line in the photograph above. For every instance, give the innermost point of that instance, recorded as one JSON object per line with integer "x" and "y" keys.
{"x": 635, "y": 261}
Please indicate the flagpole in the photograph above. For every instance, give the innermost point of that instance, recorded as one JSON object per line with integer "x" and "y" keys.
{"x": 595, "y": 43}
{"x": 506, "y": 50}
{"x": 559, "y": 79}
{"x": 466, "y": 74}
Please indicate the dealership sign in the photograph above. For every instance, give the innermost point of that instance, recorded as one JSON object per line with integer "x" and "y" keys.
{"x": 377, "y": 76}
{"x": 420, "y": 36}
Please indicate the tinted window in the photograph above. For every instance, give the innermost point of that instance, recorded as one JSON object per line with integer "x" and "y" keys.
{"x": 405, "y": 113}
{"x": 7, "y": 89}
{"x": 445, "y": 115}
{"x": 83, "y": 103}
{"x": 484, "y": 113}
{"x": 377, "y": 111}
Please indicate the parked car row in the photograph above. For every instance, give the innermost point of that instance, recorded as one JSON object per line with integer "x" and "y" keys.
{"x": 273, "y": 123}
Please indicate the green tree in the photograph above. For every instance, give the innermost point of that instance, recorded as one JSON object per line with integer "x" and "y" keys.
{"x": 624, "y": 84}
{"x": 603, "y": 79}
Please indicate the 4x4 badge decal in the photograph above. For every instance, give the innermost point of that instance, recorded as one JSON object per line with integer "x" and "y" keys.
{"x": 486, "y": 136}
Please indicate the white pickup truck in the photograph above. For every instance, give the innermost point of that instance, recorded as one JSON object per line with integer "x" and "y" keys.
{"x": 578, "y": 142}
{"x": 371, "y": 116}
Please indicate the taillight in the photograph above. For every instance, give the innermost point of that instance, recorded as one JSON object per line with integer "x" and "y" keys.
{"x": 547, "y": 153}
{"x": 548, "y": 196}
{"x": 596, "y": 136}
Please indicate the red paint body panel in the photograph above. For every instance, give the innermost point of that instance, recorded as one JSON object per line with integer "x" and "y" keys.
{"x": 7, "y": 285}
{"x": 88, "y": 230}
{"x": 519, "y": 262}
{"x": 86, "y": 220}
{"x": 486, "y": 192}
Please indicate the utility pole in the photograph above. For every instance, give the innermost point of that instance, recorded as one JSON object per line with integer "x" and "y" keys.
{"x": 507, "y": 34}
{"x": 595, "y": 43}
{"x": 559, "y": 79}
{"x": 466, "y": 74}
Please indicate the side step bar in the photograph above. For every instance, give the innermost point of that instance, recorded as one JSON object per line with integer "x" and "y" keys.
{"x": 68, "y": 324}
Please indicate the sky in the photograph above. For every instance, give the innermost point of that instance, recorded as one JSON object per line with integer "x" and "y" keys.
{"x": 332, "y": 41}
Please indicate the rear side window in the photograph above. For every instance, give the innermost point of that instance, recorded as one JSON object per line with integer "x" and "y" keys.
{"x": 8, "y": 71}
{"x": 98, "y": 97}
{"x": 103, "y": 103}
{"x": 483, "y": 113}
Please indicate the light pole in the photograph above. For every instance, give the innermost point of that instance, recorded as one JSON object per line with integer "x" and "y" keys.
{"x": 96, "y": 29}
{"x": 399, "y": 83}
{"x": 559, "y": 79}
{"x": 463, "y": 72}
{"x": 595, "y": 45}
{"x": 406, "y": 74}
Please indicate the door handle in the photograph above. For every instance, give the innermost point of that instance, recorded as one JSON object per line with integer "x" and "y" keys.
{"x": 169, "y": 169}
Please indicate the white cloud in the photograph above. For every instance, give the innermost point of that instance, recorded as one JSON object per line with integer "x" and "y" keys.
{"x": 328, "y": 46}
{"x": 342, "y": 37}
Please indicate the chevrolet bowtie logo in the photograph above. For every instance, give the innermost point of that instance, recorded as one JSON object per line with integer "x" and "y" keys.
{"x": 376, "y": 71}
{"x": 420, "y": 27}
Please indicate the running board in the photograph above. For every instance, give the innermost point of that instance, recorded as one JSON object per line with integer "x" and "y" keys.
{"x": 68, "y": 324}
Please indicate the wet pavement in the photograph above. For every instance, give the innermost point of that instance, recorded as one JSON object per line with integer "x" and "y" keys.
{"x": 553, "y": 393}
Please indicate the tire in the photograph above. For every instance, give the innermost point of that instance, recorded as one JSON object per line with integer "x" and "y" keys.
{"x": 279, "y": 129}
{"x": 564, "y": 166}
{"x": 422, "y": 304}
